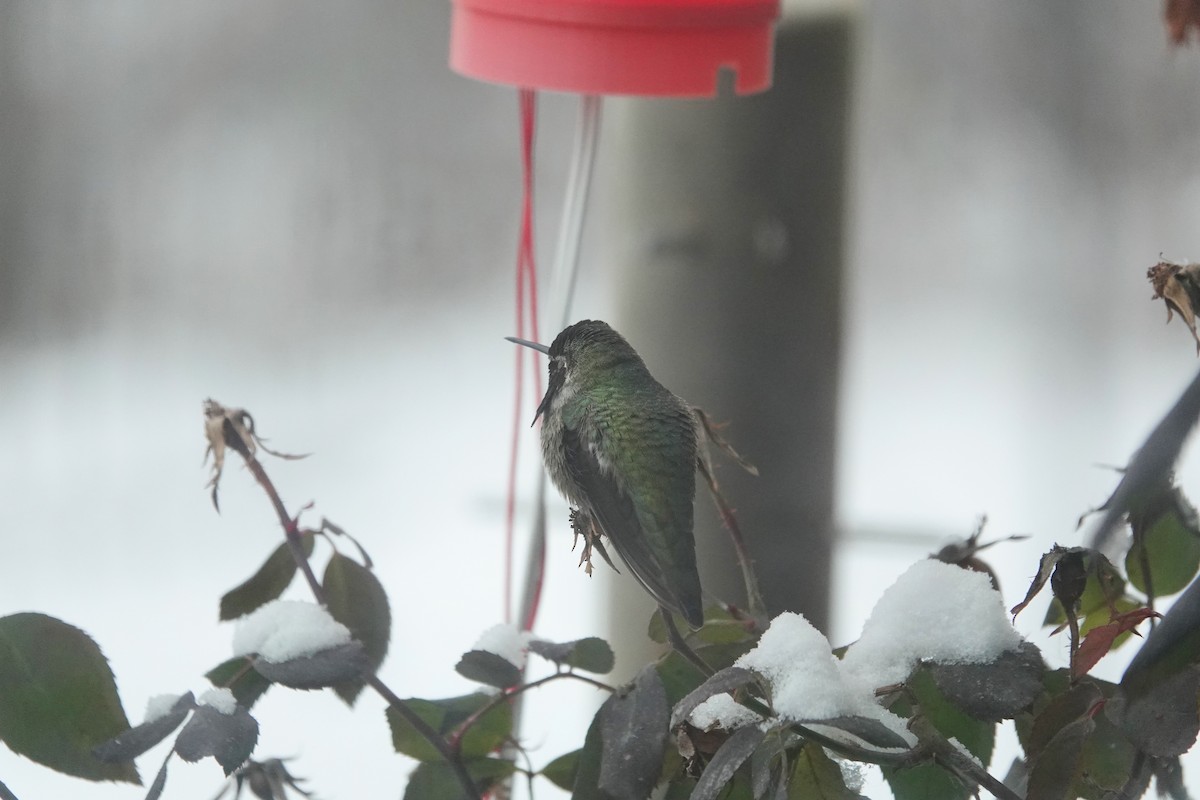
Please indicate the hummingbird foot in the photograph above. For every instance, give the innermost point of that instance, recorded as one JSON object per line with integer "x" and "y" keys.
{"x": 583, "y": 525}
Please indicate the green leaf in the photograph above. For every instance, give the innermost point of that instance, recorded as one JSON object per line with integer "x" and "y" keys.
{"x": 1108, "y": 756}
{"x": 325, "y": 668}
{"x": 587, "y": 769}
{"x": 1057, "y": 768}
{"x": 1172, "y": 548}
{"x": 140, "y": 738}
{"x": 925, "y": 780}
{"x": 1163, "y": 720}
{"x": 633, "y": 723}
{"x": 239, "y": 676}
{"x": 228, "y": 738}
{"x": 995, "y": 691}
{"x": 1075, "y": 703}
{"x": 591, "y": 654}
{"x": 815, "y": 776}
{"x": 437, "y": 780}
{"x": 488, "y": 732}
{"x": 657, "y": 628}
{"x": 265, "y": 585}
{"x": 483, "y": 666}
{"x": 561, "y": 771}
{"x": 1156, "y": 705}
{"x": 726, "y": 761}
{"x": 679, "y": 676}
{"x": 58, "y": 698}
{"x": 357, "y": 600}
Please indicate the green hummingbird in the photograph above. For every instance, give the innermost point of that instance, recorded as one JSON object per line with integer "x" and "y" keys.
{"x": 622, "y": 449}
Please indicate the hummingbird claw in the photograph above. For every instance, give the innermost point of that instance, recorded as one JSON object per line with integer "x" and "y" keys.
{"x": 583, "y": 525}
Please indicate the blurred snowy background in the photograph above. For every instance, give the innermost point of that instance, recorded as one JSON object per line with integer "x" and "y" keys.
{"x": 297, "y": 208}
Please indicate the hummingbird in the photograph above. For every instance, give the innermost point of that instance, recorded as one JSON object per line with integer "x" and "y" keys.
{"x": 622, "y": 449}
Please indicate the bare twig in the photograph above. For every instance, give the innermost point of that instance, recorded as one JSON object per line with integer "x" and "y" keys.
{"x": 754, "y": 598}
{"x": 515, "y": 692}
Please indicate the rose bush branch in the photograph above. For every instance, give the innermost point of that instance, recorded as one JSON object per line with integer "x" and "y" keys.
{"x": 233, "y": 428}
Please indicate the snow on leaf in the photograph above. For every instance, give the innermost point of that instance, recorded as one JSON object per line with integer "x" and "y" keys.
{"x": 506, "y": 641}
{"x": 239, "y": 676}
{"x": 934, "y": 612}
{"x": 721, "y": 682}
{"x": 722, "y": 712}
{"x": 140, "y": 738}
{"x": 286, "y": 629}
{"x": 220, "y": 699}
{"x": 159, "y": 706}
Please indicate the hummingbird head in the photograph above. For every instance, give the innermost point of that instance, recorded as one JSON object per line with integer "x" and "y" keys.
{"x": 580, "y": 353}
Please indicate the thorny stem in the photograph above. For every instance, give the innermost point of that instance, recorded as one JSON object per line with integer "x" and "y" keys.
{"x": 954, "y": 760}
{"x": 292, "y": 534}
{"x": 1073, "y": 628}
{"x": 517, "y": 691}
{"x": 754, "y": 598}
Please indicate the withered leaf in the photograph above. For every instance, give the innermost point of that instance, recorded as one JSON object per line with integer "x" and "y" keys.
{"x": 1099, "y": 640}
{"x": 1178, "y": 285}
{"x": 231, "y": 428}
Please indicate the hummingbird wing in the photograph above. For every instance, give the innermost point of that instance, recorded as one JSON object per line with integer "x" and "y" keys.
{"x": 648, "y": 520}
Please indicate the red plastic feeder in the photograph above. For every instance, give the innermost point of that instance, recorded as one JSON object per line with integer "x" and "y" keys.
{"x": 640, "y": 47}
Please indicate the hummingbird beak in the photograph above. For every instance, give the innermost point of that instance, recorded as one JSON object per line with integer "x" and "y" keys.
{"x": 541, "y": 348}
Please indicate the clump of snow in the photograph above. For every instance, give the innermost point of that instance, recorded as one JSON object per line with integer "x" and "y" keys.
{"x": 807, "y": 681}
{"x": 722, "y": 711}
{"x": 506, "y": 641}
{"x": 159, "y": 706}
{"x": 286, "y": 629}
{"x": 221, "y": 700}
{"x": 962, "y": 748}
{"x": 934, "y": 611}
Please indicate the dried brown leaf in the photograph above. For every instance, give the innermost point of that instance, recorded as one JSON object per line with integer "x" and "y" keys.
{"x": 231, "y": 428}
{"x": 1100, "y": 639}
{"x": 1178, "y": 286}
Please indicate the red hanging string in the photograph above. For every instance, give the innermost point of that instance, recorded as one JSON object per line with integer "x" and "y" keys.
{"x": 526, "y": 280}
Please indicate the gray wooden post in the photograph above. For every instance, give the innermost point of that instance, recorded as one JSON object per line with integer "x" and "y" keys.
{"x": 727, "y": 228}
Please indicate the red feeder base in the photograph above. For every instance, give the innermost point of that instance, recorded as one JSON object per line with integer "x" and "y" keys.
{"x": 640, "y": 47}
